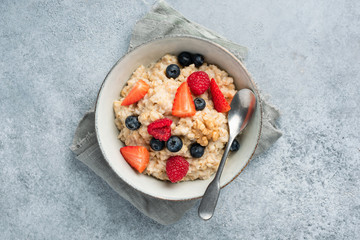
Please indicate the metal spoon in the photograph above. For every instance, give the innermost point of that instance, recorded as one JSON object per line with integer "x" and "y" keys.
{"x": 242, "y": 107}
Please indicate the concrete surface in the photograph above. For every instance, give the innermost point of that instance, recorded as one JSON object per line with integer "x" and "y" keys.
{"x": 305, "y": 54}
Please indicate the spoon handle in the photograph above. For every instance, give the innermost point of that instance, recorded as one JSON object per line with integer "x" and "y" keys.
{"x": 211, "y": 195}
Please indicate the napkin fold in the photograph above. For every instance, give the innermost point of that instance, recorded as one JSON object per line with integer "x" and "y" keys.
{"x": 161, "y": 21}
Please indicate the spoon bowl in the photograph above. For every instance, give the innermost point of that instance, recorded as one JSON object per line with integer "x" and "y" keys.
{"x": 242, "y": 107}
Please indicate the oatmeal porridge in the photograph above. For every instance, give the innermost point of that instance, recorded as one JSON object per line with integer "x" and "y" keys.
{"x": 169, "y": 110}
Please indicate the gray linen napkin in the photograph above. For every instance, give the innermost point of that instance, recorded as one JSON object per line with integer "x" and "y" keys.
{"x": 85, "y": 145}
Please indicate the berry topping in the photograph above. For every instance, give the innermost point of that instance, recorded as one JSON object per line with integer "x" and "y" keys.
{"x": 174, "y": 144}
{"x": 235, "y": 146}
{"x": 137, "y": 156}
{"x": 172, "y": 71}
{"x": 220, "y": 103}
{"x": 198, "y": 82}
{"x": 137, "y": 92}
{"x": 160, "y": 129}
{"x": 156, "y": 144}
{"x": 132, "y": 123}
{"x": 196, "y": 150}
{"x": 199, "y": 104}
{"x": 198, "y": 60}
{"x": 176, "y": 168}
{"x": 183, "y": 105}
{"x": 185, "y": 59}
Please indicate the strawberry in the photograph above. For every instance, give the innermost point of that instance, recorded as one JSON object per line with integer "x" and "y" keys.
{"x": 176, "y": 168}
{"x": 160, "y": 129}
{"x": 137, "y": 156}
{"x": 220, "y": 103}
{"x": 198, "y": 82}
{"x": 183, "y": 105}
{"x": 137, "y": 92}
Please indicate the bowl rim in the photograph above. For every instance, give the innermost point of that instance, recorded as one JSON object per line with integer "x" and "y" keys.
{"x": 179, "y": 37}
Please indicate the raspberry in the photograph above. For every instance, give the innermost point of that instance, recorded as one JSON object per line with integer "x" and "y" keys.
{"x": 198, "y": 82}
{"x": 176, "y": 168}
{"x": 160, "y": 129}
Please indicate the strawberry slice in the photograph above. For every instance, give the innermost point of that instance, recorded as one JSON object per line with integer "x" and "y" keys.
{"x": 137, "y": 92}
{"x": 183, "y": 105}
{"x": 137, "y": 156}
{"x": 220, "y": 103}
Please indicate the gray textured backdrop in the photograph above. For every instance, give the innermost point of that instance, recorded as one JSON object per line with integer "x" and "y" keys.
{"x": 54, "y": 56}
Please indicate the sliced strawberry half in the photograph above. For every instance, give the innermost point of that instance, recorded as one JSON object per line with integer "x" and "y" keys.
{"x": 183, "y": 105}
{"x": 137, "y": 92}
{"x": 220, "y": 103}
{"x": 137, "y": 156}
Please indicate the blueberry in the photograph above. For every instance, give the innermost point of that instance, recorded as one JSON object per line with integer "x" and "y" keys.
{"x": 156, "y": 144}
{"x": 172, "y": 71}
{"x": 198, "y": 60}
{"x": 185, "y": 59}
{"x": 132, "y": 123}
{"x": 196, "y": 150}
{"x": 199, "y": 104}
{"x": 174, "y": 144}
{"x": 235, "y": 146}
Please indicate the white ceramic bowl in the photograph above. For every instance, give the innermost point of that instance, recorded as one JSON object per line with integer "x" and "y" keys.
{"x": 107, "y": 132}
